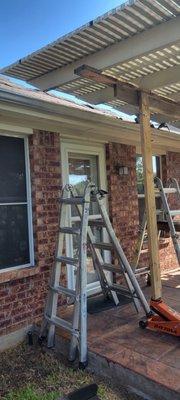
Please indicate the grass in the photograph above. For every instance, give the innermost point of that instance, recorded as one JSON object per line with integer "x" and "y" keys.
{"x": 31, "y": 373}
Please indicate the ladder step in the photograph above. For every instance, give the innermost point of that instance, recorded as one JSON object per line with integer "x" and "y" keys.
{"x": 64, "y": 290}
{"x": 174, "y": 212}
{"x": 62, "y": 323}
{"x": 96, "y": 223}
{"x": 67, "y": 260}
{"x": 72, "y": 200}
{"x": 70, "y": 230}
{"x": 121, "y": 289}
{"x": 142, "y": 271}
{"x": 167, "y": 190}
{"x": 111, "y": 268}
{"x": 103, "y": 245}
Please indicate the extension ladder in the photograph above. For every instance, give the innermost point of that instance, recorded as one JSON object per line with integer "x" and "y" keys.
{"x": 168, "y": 214}
{"x": 132, "y": 289}
{"x": 164, "y": 217}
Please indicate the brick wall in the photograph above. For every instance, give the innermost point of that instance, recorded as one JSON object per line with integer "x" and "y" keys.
{"x": 22, "y": 300}
{"x": 23, "y": 297}
{"x": 123, "y": 199}
{"x": 170, "y": 169}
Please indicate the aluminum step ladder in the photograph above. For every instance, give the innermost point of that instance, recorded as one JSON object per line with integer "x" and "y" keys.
{"x": 168, "y": 214}
{"x": 131, "y": 288}
{"x": 163, "y": 215}
{"x": 78, "y": 326}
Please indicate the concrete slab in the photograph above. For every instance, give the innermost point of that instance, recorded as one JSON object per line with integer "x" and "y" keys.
{"x": 147, "y": 361}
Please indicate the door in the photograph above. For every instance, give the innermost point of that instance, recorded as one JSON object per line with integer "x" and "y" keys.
{"x": 81, "y": 163}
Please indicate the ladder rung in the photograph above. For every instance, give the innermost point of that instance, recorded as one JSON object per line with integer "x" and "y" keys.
{"x": 72, "y": 200}
{"x": 142, "y": 271}
{"x": 96, "y": 222}
{"x": 64, "y": 290}
{"x": 67, "y": 260}
{"x": 174, "y": 212}
{"x": 121, "y": 289}
{"x": 62, "y": 323}
{"x": 103, "y": 245}
{"x": 111, "y": 268}
{"x": 166, "y": 190}
{"x": 70, "y": 230}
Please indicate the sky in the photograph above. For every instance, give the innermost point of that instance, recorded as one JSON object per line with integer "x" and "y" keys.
{"x": 27, "y": 25}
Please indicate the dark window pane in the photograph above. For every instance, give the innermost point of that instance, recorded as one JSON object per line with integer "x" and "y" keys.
{"x": 12, "y": 170}
{"x": 14, "y": 244}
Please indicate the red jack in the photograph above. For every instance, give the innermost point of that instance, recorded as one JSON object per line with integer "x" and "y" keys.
{"x": 165, "y": 319}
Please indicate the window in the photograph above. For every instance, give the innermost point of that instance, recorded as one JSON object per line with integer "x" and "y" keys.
{"x": 140, "y": 180}
{"x": 16, "y": 248}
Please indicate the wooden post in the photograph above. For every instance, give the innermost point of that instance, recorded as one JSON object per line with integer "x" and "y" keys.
{"x": 146, "y": 147}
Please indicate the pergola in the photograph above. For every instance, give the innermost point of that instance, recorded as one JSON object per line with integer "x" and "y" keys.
{"x": 128, "y": 58}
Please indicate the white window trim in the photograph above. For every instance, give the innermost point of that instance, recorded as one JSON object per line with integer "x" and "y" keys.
{"x": 67, "y": 146}
{"x": 29, "y": 205}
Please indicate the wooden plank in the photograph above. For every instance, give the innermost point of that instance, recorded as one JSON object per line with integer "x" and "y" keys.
{"x": 146, "y": 145}
{"x": 129, "y": 93}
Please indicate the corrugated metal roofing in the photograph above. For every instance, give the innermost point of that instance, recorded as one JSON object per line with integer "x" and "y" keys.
{"x": 123, "y": 22}
{"x": 120, "y": 23}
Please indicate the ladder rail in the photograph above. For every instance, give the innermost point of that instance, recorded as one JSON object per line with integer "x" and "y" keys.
{"x": 97, "y": 257}
{"x": 130, "y": 277}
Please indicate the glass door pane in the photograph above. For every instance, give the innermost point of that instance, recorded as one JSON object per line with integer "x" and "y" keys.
{"x": 83, "y": 168}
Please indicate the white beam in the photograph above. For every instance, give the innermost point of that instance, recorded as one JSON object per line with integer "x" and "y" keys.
{"x": 159, "y": 79}
{"x": 153, "y": 39}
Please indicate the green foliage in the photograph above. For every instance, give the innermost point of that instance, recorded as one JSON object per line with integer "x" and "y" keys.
{"x": 30, "y": 393}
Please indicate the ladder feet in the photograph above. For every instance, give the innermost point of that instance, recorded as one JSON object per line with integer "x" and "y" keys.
{"x": 41, "y": 339}
{"x": 83, "y": 365}
{"x": 143, "y": 323}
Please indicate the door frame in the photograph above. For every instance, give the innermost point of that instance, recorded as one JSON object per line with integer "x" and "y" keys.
{"x": 69, "y": 146}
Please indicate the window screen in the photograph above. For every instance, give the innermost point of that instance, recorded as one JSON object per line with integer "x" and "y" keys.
{"x": 14, "y": 236}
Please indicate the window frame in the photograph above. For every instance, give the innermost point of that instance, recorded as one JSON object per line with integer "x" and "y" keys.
{"x": 140, "y": 195}
{"x": 28, "y": 203}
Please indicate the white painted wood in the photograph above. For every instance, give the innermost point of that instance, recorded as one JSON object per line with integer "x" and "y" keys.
{"x": 12, "y": 129}
{"x": 159, "y": 79}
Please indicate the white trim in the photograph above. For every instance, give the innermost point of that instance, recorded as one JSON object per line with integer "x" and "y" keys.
{"x": 29, "y": 201}
{"x": 98, "y": 150}
{"x": 8, "y": 129}
{"x": 29, "y": 208}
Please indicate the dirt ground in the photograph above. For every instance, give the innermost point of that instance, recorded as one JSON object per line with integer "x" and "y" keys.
{"x": 31, "y": 373}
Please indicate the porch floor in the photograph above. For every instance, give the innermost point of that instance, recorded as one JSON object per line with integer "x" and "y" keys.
{"x": 115, "y": 336}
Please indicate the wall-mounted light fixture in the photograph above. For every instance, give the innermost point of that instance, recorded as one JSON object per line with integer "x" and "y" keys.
{"x": 122, "y": 170}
